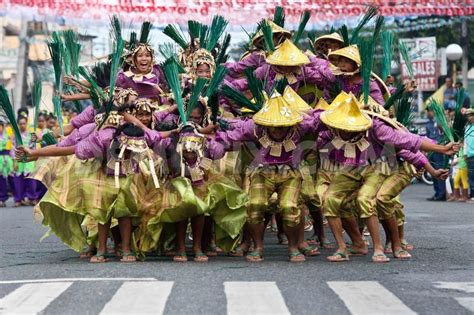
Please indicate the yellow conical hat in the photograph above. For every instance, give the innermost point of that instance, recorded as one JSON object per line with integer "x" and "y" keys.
{"x": 276, "y": 112}
{"x": 287, "y": 55}
{"x": 322, "y": 104}
{"x": 295, "y": 101}
{"x": 351, "y": 52}
{"x": 333, "y": 36}
{"x": 346, "y": 115}
{"x": 275, "y": 30}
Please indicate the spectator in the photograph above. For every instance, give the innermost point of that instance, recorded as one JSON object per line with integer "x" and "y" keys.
{"x": 433, "y": 131}
{"x": 469, "y": 151}
{"x": 467, "y": 98}
{"x": 449, "y": 100}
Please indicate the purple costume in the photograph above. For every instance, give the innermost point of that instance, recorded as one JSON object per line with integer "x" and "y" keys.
{"x": 87, "y": 116}
{"x": 144, "y": 85}
{"x": 77, "y": 135}
{"x": 236, "y": 69}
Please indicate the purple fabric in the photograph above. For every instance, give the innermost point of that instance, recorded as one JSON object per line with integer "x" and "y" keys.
{"x": 251, "y": 132}
{"x": 3, "y": 189}
{"x": 95, "y": 145}
{"x": 165, "y": 117}
{"x": 85, "y": 117}
{"x": 418, "y": 159}
{"x": 40, "y": 190}
{"x": 254, "y": 60}
{"x": 144, "y": 88}
{"x": 382, "y": 139}
{"x": 24, "y": 188}
{"x": 77, "y": 135}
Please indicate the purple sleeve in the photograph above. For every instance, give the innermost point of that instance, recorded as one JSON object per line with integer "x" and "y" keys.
{"x": 235, "y": 69}
{"x": 85, "y": 117}
{"x": 418, "y": 159}
{"x": 237, "y": 84}
{"x": 245, "y": 132}
{"x": 152, "y": 137}
{"x": 376, "y": 93}
{"x": 215, "y": 150}
{"x": 95, "y": 145}
{"x": 402, "y": 140}
{"x": 318, "y": 72}
{"x": 77, "y": 135}
{"x": 262, "y": 72}
{"x": 311, "y": 123}
{"x": 165, "y": 116}
{"x": 122, "y": 80}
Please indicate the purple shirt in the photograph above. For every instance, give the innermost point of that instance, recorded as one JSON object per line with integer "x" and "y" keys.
{"x": 418, "y": 159}
{"x": 255, "y": 59}
{"x": 379, "y": 136}
{"x": 96, "y": 145}
{"x": 87, "y": 116}
{"x": 145, "y": 85}
{"x": 251, "y": 132}
{"x": 77, "y": 135}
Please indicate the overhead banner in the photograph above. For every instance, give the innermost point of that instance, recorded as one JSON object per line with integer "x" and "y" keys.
{"x": 422, "y": 51}
{"x": 239, "y": 12}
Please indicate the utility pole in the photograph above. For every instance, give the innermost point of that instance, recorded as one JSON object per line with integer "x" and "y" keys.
{"x": 465, "y": 49}
{"x": 19, "y": 93}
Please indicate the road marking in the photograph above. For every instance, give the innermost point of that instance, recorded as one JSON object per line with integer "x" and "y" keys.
{"x": 139, "y": 298}
{"x": 458, "y": 286}
{"x": 254, "y": 297}
{"x": 75, "y": 280}
{"x": 368, "y": 297}
{"x": 466, "y": 302}
{"x": 32, "y": 298}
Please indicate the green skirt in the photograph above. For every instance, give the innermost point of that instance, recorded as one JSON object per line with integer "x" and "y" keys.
{"x": 6, "y": 165}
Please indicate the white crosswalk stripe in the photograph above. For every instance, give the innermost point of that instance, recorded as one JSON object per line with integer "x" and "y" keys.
{"x": 139, "y": 298}
{"x": 32, "y": 298}
{"x": 364, "y": 297}
{"x": 259, "y": 297}
{"x": 150, "y": 296}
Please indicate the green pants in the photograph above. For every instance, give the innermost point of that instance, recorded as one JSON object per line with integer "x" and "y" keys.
{"x": 263, "y": 184}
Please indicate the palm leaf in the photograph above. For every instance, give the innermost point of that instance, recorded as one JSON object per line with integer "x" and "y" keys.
{"x": 115, "y": 65}
{"x": 116, "y": 26}
{"x": 255, "y": 86}
{"x": 172, "y": 77}
{"x": 441, "y": 119}
{"x": 145, "y": 32}
{"x": 57, "y": 105}
{"x": 132, "y": 41}
{"x": 345, "y": 35}
{"x": 203, "y": 35}
{"x": 267, "y": 36}
{"x": 216, "y": 80}
{"x": 72, "y": 50}
{"x": 395, "y": 96}
{"x": 213, "y": 104}
{"x": 216, "y": 30}
{"x": 239, "y": 98}
{"x": 8, "y": 109}
{"x": 460, "y": 120}
{"x": 303, "y": 21}
{"x": 175, "y": 34}
{"x": 369, "y": 15}
{"x": 366, "y": 52}
{"x": 406, "y": 58}
{"x": 194, "y": 28}
{"x": 96, "y": 93}
{"x": 37, "y": 91}
{"x": 222, "y": 57}
{"x": 169, "y": 51}
{"x": 49, "y": 139}
{"x": 403, "y": 110}
{"x": 279, "y": 17}
{"x": 55, "y": 50}
{"x": 387, "y": 45}
{"x": 195, "y": 94}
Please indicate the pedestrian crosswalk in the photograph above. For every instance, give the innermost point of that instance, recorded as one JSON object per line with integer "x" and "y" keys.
{"x": 150, "y": 296}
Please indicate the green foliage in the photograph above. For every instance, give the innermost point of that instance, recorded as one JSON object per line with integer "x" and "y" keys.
{"x": 10, "y": 113}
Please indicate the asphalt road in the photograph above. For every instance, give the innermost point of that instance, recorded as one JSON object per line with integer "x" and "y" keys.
{"x": 50, "y": 278}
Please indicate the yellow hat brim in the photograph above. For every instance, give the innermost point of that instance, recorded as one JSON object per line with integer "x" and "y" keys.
{"x": 295, "y": 101}
{"x": 346, "y": 116}
{"x": 333, "y": 36}
{"x": 349, "y": 52}
{"x": 322, "y": 104}
{"x": 287, "y": 55}
{"x": 277, "y": 113}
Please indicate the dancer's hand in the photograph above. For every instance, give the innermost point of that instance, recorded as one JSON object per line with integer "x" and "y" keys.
{"x": 23, "y": 154}
{"x": 440, "y": 174}
{"x": 211, "y": 128}
{"x": 451, "y": 148}
{"x": 34, "y": 137}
